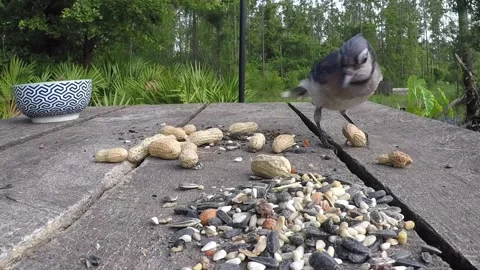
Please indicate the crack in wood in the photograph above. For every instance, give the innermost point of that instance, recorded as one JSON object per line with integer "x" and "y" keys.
{"x": 426, "y": 232}
{"x": 40, "y": 237}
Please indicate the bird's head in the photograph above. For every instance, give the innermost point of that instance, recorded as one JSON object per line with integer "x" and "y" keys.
{"x": 357, "y": 59}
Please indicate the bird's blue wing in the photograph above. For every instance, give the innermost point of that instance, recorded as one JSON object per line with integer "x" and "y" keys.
{"x": 325, "y": 67}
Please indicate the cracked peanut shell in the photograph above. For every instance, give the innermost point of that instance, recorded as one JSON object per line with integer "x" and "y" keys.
{"x": 282, "y": 142}
{"x": 269, "y": 166}
{"x": 257, "y": 142}
{"x": 354, "y": 135}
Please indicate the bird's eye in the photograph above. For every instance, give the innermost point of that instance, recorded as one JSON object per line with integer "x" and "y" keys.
{"x": 364, "y": 60}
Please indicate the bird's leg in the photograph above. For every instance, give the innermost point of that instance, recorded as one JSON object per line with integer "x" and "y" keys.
{"x": 317, "y": 117}
{"x": 344, "y": 114}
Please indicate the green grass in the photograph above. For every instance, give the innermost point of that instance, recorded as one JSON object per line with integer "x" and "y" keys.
{"x": 396, "y": 101}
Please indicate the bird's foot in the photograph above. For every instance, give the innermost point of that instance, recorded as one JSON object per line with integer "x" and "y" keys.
{"x": 324, "y": 143}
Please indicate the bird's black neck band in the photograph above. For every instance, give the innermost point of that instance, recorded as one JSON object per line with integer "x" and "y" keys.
{"x": 367, "y": 79}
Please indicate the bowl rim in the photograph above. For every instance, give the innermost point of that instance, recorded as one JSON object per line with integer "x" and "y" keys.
{"x": 51, "y": 82}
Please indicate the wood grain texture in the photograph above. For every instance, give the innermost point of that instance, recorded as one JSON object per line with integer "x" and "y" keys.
{"x": 19, "y": 129}
{"x": 54, "y": 175}
{"x": 119, "y": 222}
{"x": 442, "y": 185}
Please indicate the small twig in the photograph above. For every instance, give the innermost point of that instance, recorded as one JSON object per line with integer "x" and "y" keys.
{"x": 460, "y": 62}
{"x": 451, "y": 105}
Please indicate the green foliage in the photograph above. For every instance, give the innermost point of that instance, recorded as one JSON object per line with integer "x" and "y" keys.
{"x": 423, "y": 102}
{"x": 127, "y": 83}
{"x": 192, "y": 46}
{"x": 15, "y": 72}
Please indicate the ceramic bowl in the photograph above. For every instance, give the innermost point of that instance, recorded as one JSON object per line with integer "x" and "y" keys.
{"x": 54, "y": 101}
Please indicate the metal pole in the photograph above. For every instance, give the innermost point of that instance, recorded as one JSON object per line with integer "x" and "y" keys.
{"x": 241, "y": 66}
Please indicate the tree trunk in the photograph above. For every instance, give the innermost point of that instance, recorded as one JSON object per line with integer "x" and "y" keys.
{"x": 471, "y": 95}
{"x": 219, "y": 50}
{"x": 88, "y": 48}
{"x": 194, "y": 43}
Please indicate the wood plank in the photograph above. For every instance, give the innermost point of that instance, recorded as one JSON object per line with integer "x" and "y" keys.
{"x": 120, "y": 221}
{"x": 19, "y": 129}
{"x": 441, "y": 187}
{"x": 54, "y": 184}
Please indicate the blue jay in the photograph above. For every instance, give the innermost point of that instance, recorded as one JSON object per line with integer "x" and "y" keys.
{"x": 344, "y": 79}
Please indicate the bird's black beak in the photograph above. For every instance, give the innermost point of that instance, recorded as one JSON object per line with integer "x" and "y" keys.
{"x": 347, "y": 78}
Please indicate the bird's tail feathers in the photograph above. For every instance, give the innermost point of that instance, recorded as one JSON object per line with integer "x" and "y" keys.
{"x": 297, "y": 92}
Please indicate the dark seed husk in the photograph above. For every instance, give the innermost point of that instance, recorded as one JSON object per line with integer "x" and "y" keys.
{"x": 192, "y": 213}
{"x": 426, "y": 257}
{"x": 295, "y": 189}
{"x": 386, "y": 199}
{"x": 269, "y": 262}
{"x": 232, "y": 233}
{"x": 247, "y": 207}
{"x": 297, "y": 239}
{"x": 354, "y": 246}
{"x": 94, "y": 260}
{"x": 340, "y": 206}
{"x": 312, "y": 211}
{"x": 273, "y": 242}
{"x": 370, "y": 202}
{"x": 385, "y": 233}
{"x": 401, "y": 255}
{"x": 341, "y": 252}
{"x": 188, "y": 222}
{"x": 328, "y": 226}
{"x": 272, "y": 198}
{"x": 377, "y": 217}
{"x": 376, "y": 245}
{"x": 263, "y": 231}
{"x": 224, "y": 217}
{"x": 181, "y": 210}
{"x": 310, "y": 242}
{"x": 239, "y": 225}
{"x": 325, "y": 188}
{"x": 285, "y": 212}
{"x": 180, "y": 233}
{"x": 409, "y": 263}
{"x": 288, "y": 248}
{"x": 322, "y": 261}
{"x": 353, "y": 190}
{"x": 230, "y": 266}
{"x": 357, "y": 199}
{"x": 285, "y": 265}
{"x": 205, "y": 240}
{"x": 357, "y": 258}
{"x": 283, "y": 196}
{"x": 300, "y": 150}
{"x": 377, "y": 194}
{"x": 314, "y": 232}
{"x": 431, "y": 249}
{"x": 215, "y": 221}
{"x": 207, "y": 205}
{"x": 178, "y": 245}
{"x": 250, "y": 237}
{"x": 237, "y": 246}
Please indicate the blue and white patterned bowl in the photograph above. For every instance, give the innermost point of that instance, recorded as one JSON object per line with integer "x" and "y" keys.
{"x": 54, "y": 101}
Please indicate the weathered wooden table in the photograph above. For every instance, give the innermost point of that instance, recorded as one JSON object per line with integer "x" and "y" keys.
{"x": 58, "y": 205}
